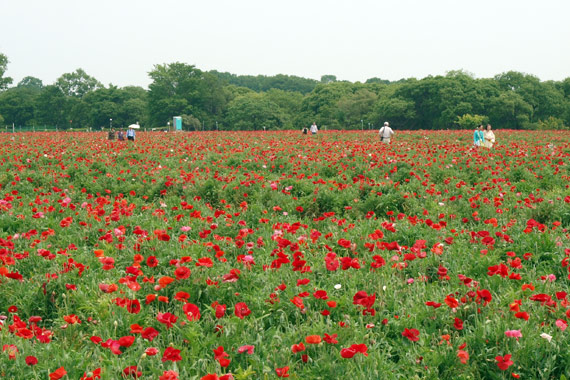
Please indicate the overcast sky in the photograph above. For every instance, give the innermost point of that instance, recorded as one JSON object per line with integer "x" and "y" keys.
{"x": 119, "y": 41}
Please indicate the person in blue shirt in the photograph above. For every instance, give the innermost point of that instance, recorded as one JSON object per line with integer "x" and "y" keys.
{"x": 131, "y": 134}
{"x": 479, "y": 136}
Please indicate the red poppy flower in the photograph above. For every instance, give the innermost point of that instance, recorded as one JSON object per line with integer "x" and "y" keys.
{"x": 132, "y": 371}
{"x": 282, "y": 372}
{"x": 57, "y": 374}
{"x": 241, "y": 310}
{"x": 411, "y": 334}
{"x": 330, "y": 339}
{"x": 151, "y": 351}
{"x": 169, "y": 375}
{"x": 171, "y": 354}
{"x": 192, "y": 312}
{"x": 126, "y": 341}
{"x": 504, "y": 362}
{"x": 31, "y": 360}
{"x": 149, "y": 333}
{"x": 458, "y": 324}
{"x": 94, "y": 375}
{"x": 298, "y": 348}
{"x": 313, "y": 339}
{"x": 463, "y": 356}
{"x": 182, "y": 273}
{"x": 246, "y": 348}
{"x": 167, "y": 318}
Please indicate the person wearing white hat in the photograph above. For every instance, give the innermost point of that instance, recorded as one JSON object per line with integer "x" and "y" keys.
{"x": 386, "y": 133}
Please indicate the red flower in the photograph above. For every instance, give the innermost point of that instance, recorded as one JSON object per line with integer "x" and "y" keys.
{"x": 330, "y": 339}
{"x": 132, "y": 371}
{"x": 451, "y": 301}
{"x": 31, "y": 360}
{"x": 169, "y": 375}
{"x": 182, "y": 273}
{"x": 313, "y": 339}
{"x": 71, "y": 319}
{"x": 504, "y": 362}
{"x": 133, "y": 306}
{"x": 57, "y": 374}
{"x": 463, "y": 356}
{"x": 349, "y": 352}
{"x": 246, "y": 348}
{"x": 192, "y": 312}
{"x": 167, "y": 318}
{"x": 171, "y": 354}
{"x": 241, "y": 310}
{"x": 149, "y": 333}
{"x": 151, "y": 351}
{"x": 298, "y": 348}
{"x": 297, "y": 301}
{"x": 220, "y": 355}
{"x": 126, "y": 341}
{"x": 411, "y": 334}
{"x": 220, "y": 310}
{"x": 96, "y": 374}
{"x": 282, "y": 372}
{"x": 458, "y": 324}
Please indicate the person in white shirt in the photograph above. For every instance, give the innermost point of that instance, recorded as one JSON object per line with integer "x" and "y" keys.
{"x": 386, "y": 133}
{"x": 314, "y": 128}
{"x": 489, "y": 137}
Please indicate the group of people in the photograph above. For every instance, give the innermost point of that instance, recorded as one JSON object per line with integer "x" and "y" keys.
{"x": 130, "y": 134}
{"x": 313, "y": 129}
{"x": 484, "y": 136}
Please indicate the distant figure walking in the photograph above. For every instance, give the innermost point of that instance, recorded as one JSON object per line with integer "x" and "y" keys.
{"x": 314, "y": 129}
{"x": 131, "y": 134}
{"x": 121, "y": 135}
{"x": 111, "y": 135}
{"x": 305, "y": 130}
{"x": 479, "y": 136}
{"x": 386, "y": 133}
{"x": 489, "y": 137}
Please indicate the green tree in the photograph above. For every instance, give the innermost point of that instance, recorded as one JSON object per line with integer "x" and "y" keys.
{"x": 253, "y": 112}
{"x": 551, "y": 123}
{"x": 77, "y": 83}
{"x": 190, "y": 123}
{"x": 4, "y": 81}
{"x": 328, "y": 78}
{"x": 175, "y": 90}
{"x": 31, "y": 82}
{"x": 398, "y": 111}
{"x": 469, "y": 121}
{"x": 356, "y": 107}
{"x": 509, "y": 110}
{"x": 289, "y": 103}
{"x": 321, "y": 105}
{"x": 51, "y": 107}
{"x": 17, "y": 106}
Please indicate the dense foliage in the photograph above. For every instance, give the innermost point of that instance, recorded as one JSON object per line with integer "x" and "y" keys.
{"x": 213, "y": 100}
{"x": 251, "y": 255}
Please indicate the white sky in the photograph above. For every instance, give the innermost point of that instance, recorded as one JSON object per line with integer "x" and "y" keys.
{"x": 119, "y": 41}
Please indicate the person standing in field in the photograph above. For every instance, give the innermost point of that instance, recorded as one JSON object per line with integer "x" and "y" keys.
{"x": 479, "y": 136}
{"x": 314, "y": 129}
{"x": 489, "y": 137}
{"x": 131, "y": 134}
{"x": 386, "y": 133}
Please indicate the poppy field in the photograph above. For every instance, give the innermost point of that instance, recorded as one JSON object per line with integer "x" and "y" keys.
{"x": 250, "y": 255}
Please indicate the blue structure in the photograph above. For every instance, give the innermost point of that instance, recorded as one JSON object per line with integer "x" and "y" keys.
{"x": 177, "y": 123}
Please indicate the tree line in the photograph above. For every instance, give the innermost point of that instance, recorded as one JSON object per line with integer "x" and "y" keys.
{"x": 209, "y": 100}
